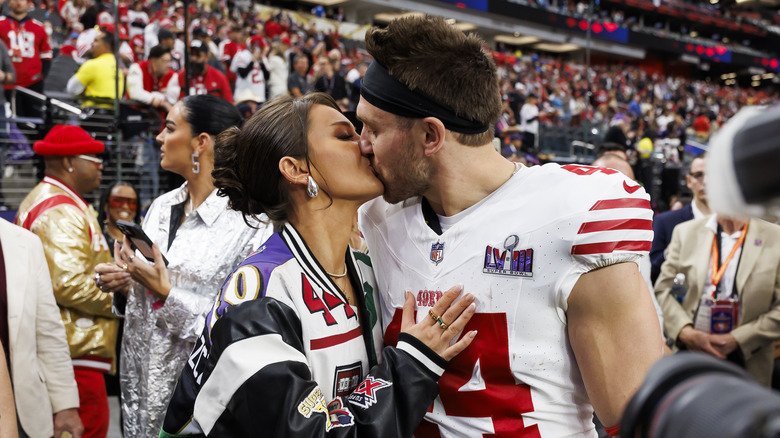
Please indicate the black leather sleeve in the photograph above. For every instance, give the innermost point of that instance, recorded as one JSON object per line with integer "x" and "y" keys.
{"x": 280, "y": 399}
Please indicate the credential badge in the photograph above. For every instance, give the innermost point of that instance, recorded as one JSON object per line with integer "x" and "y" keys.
{"x": 517, "y": 263}
{"x": 437, "y": 252}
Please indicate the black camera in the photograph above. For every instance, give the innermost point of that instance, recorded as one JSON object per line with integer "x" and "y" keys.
{"x": 692, "y": 395}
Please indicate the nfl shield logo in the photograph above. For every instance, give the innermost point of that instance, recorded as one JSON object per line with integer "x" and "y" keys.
{"x": 437, "y": 252}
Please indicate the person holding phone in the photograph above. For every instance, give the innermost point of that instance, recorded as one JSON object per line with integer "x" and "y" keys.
{"x": 293, "y": 344}
{"x": 119, "y": 201}
{"x": 165, "y": 307}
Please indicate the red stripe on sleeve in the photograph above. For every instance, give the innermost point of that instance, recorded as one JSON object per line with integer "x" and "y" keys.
{"x": 330, "y": 341}
{"x": 608, "y": 204}
{"x": 46, "y": 205}
{"x": 618, "y": 224}
{"x": 608, "y": 247}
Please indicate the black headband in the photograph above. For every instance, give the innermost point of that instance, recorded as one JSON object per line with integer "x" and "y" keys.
{"x": 385, "y": 92}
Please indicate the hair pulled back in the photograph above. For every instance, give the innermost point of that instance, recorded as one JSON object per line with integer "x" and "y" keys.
{"x": 209, "y": 114}
{"x": 246, "y": 160}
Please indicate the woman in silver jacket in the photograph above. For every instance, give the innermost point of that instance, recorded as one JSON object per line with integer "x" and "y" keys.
{"x": 202, "y": 241}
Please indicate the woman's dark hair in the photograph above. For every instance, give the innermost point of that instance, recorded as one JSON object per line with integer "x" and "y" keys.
{"x": 102, "y": 216}
{"x": 209, "y": 114}
{"x": 246, "y": 160}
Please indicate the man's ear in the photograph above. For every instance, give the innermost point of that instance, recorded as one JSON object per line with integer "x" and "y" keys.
{"x": 434, "y": 133}
{"x": 294, "y": 170}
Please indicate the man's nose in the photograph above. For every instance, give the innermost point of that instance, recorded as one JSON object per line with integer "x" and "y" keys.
{"x": 365, "y": 144}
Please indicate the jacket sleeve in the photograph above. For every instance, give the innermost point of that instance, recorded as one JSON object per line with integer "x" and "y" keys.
{"x": 675, "y": 316}
{"x": 660, "y": 242}
{"x": 184, "y": 313}
{"x": 136, "y": 90}
{"x": 53, "y": 351}
{"x": 258, "y": 378}
{"x": 67, "y": 243}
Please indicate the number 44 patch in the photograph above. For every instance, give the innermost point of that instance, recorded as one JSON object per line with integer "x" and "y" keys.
{"x": 365, "y": 394}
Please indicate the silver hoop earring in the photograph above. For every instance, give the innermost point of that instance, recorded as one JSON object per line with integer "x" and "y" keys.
{"x": 195, "y": 162}
{"x": 311, "y": 189}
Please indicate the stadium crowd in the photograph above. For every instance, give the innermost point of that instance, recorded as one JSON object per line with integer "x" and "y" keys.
{"x": 271, "y": 77}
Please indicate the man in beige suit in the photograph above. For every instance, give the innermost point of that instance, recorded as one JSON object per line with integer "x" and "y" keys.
{"x": 41, "y": 368}
{"x": 752, "y": 268}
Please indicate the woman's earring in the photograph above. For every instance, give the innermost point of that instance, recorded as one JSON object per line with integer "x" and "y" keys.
{"x": 311, "y": 189}
{"x": 195, "y": 162}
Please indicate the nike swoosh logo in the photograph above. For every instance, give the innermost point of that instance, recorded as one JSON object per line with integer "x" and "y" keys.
{"x": 631, "y": 189}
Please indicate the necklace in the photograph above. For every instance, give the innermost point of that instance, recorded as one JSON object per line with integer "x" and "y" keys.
{"x": 337, "y": 275}
{"x": 517, "y": 168}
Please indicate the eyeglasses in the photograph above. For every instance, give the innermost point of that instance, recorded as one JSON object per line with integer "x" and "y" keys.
{"x": 119, "y": 201}
{"x": 97, "y": 161}
{"x": 696, "y": 175}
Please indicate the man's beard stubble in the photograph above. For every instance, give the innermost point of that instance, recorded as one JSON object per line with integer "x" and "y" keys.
{"x": 408, "y": 176}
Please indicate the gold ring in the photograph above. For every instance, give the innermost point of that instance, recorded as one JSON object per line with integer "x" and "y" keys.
{"x": 437, "y": 319}
{"x": 124, "y": 267}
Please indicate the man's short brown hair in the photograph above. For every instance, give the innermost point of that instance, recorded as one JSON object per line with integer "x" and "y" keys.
{"x": 431, "y": 56}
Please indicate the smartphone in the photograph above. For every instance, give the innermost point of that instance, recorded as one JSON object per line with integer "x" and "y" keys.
{"x": 138, "y": 239}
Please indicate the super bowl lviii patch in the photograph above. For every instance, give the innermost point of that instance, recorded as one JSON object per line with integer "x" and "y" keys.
{"x": 365, "y": 394}
{"x": 508, "y": 260}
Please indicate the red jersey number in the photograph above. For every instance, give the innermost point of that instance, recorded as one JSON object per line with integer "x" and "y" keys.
{"x": 22, "y": 44}
{"x": 501, "y": 400}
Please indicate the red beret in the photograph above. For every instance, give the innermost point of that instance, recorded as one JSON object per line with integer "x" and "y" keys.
{"x": 67, "y": 140}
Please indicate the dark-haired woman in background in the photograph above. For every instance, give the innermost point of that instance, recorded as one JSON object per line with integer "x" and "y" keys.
{"x": 293, "y": 344}
{"x": 119, "y": 201}
{"x": 202, "y": 240}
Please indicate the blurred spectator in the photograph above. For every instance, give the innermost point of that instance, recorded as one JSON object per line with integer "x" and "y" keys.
{"x": 297, "y": 82}
{"x": 277, "y": 68}
{"x": 166, "y": 307}
{"x": 7, "y": 75}
{"x": 153, "y": 82}
{"x": 228, "y": 49}
{"x": 204, "y": 79}
{"x": 247, "y": 103}
{"x": 665, "y": 223}
{"x": 168, "y": 40}
{"x": 730, "y": 263}
{"x": 200, "y": 33}
{"x": 137, "y": 18}
{"x": 332, "y": 83}
{"x": 529, "y": 122}
{"x": 119, "y": 201}
{"x": 33, "y": 334}
{"x": 99, "y": 76}
{"x": 55, "y": 210}
{"x": 31, "y": 55}
{"x": 249, "y": 66}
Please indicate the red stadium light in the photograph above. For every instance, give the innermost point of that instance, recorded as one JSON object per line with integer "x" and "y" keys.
{"x": 699, "y": 50}
{"x": 597, "y": 28}
{"x": 584, "y": 25}
{"x": 710, "y": 52}
{"x": 721, "y": 50}
{"x": 460, "y": 5}
{"x": 610, "y": 26}
{"x": 571, "y": 22}
{"x": 773, "y": 63}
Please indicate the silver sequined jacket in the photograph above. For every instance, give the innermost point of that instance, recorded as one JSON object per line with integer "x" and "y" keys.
{"x": 158, "y": 337}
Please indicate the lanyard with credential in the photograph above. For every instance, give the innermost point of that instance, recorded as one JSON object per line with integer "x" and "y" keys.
{"x": 717, "y": 269}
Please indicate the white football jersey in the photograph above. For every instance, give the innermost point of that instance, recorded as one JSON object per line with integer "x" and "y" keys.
{"x": 520, "y": 251}
{"x": 254, "y": 81}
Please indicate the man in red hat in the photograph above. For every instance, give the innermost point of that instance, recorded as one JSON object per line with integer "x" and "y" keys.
{"x": 67, "y": 225}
